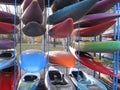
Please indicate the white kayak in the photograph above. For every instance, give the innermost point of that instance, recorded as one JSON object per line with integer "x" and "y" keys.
{"x": 29, "y": 81}
{"x": 56, "y": 80}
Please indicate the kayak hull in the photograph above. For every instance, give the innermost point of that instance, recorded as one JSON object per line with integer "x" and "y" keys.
{"x": 28, "y": 16}
{"x": 9, "y": 79}
{"x": 56, "y": 57}
{"x": 105, "y": 46}
{"x": 71, "y": 11}
{"x": 7, "y": 58}
{"x": 94, "y": 19}
{"x": 60, "y": 82}
{"x": 93, "y": 30}
{"x": 29, "y": 81}
{"x": 7, "y": 28}
{"x": 32, "y": 60}
{"x": 61, "y": 30}
{"x": 33, "y": 29}
{"x": 87, "y": 60}
{"x": 83, "y": 81}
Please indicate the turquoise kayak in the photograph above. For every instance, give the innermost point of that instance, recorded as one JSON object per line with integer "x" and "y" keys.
{"x": 83, "y": 81}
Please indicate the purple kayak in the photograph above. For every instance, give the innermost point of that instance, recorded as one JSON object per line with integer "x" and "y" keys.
{"x": 8, "y": 17}
{"x": 32, "y": 13}
{"x": 6, "y": 44}
{"x": 26, "y": 3}
{"x": 94, "y": 19}
{"x": 102, "y": 6}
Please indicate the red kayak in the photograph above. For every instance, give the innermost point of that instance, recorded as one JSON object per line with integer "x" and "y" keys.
{"x": 87, "y": 60}
{"x": 102, "y": 6}
{"x": 93, "y": 30}
{"x": 31, "y": 13}
{"x": 7, "y": 28}
{"x": 7, "y": 79}
{"x": 26, "y": 3}
{"x": 94, "y": 19}
{"x": 8, "y": 17}
{"x": 62, "y": 29}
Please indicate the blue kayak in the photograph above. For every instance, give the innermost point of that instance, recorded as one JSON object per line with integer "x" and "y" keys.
{"x": 32, "y": 60}
{"x": 83, "y": 81}
{"x": 7, "y": 58}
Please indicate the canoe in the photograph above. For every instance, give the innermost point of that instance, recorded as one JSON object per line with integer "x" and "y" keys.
{"x": 32, "y": 60}
{"x": 9, "y": 78}
{"x": 87, "y": 60}
{"x": 107, "y": 79}
{"x": 102, "y": 6}
{"x": 62, "y": 29}
{"x": 7, "y": 28}
{"x": 33, "y": 8}
{"x": 74, "y": 11}
{"x": 11, "y": 2}
{"x": 83, "y": 81}
{"x": 105, "y": 46}
{"x": 59, "y": 4}
{"x": 26, "y": 3}
{"x": 29, "y": 81}
{"x": 8, "y": 17}
{"x": 94, "y": 19}
{"x": 33, "y": 29}
{"x": 7, "y": 58}
{"x": 6, "y": 43}
{"x": 93, "y": 30}
{"x": 62, "y": 58}
{"x": 56, "y": 80}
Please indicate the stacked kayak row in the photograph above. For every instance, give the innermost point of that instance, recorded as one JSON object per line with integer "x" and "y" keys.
{"x": 9, "y": 72}
{"x": 93, "y": 21}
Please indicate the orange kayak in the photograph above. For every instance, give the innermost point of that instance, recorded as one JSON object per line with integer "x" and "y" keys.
{"x": 62, "y": 29}
{"x": 61, "y": 58}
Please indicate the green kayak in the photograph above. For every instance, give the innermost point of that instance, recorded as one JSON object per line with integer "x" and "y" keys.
{"x": 106, "y": 46}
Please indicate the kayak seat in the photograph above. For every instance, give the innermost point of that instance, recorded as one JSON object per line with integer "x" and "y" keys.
{"x": 56, "y": 78}
{"x": 30, "y": 78}
{"x": 54, "y": 75}
{"x": 6, "y": 54}
{"x": 75, "y": 74}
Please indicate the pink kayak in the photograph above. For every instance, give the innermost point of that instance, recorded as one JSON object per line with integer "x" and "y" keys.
{"x": 62, "y": 29}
